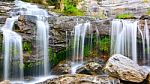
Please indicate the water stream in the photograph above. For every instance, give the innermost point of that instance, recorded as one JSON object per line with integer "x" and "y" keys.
{"x": 124, "y": 40}
{"x": 12, "y": 42}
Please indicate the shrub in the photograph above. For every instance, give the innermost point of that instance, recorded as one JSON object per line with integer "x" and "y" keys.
{"x": 125, "y": 16}
{"x": 72, "y": 10}
{"x": 148, "y": 12}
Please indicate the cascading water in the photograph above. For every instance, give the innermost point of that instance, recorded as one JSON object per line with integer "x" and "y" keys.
{"x": 42, "y": 42}
{"x": 12, "y": 52}
{"x": 12, "y": 42}
{"x": 79, "y": 40}
{"x": 42, "y": 35}
{"x": 80, "y": 31}
{"x": 13, "y": 59}
{"x": 124, "y": 39}
{"x": 146, "y": 44}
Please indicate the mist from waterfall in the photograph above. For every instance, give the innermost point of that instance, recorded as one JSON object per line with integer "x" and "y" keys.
{"x": 124, "y": 40}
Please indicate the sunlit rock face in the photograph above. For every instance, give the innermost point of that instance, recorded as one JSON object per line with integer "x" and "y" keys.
{"x": 125, "y": 69}
{"x": 59, "y": 26}
{"x": 81, "y": 79}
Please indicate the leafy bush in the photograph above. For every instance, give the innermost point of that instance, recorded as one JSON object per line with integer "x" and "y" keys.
{"x": 125, "y": 16}
{"x": 70, "y": 8}
{"x": 27, "y": 47}
{"x": 148, "y": 12}
{"x": 104, "y": 44}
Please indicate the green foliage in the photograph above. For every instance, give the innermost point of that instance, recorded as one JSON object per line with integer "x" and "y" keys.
{"x": 70, "y": 9}
{"x": 104, "y": 44}
{"x": 87, "y": 51}
{"x": 27, "y": 46}
{"x": 55, "y": 58}
{"x": 125, "y": 16}
{"x": 148, "y": 12}
{"x": 34, "y": 1}
{"x": 28, "y": 65}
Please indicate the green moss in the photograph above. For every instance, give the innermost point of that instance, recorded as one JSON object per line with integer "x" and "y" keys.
{"x": 125, "y": 16}
{"x": 148, "y": 12}
{"x": 72, "y": 10}
{"x": 27, "y": 47}
{"x": 104, "y": 44}
{"x": 28, "y": 65}
{"x": 56, "y": 57}
{"x": 87, "y": 51}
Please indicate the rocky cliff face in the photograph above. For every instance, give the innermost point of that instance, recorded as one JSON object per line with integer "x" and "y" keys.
{"x": 58, "y": 28}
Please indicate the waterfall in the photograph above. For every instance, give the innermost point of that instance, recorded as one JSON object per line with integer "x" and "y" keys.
{"x": 147, "y": 46}
{"x": 12, "y": 42}
{"x": 42, "y": 43}
{"x": 124, "y": 39}
{"x": 42, "y": 35}
{"x": 13, "y": 58}
{"x": 79, "y": 40}
{"x": 12, "y": 51}
{"x": 80, "y": 31}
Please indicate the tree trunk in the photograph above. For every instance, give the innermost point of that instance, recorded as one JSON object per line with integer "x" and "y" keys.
{"x": 61, "y": 5}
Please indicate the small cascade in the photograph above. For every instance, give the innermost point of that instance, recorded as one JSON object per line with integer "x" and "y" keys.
{"x": 79, "y": 40}
{"x": 124, "y": 40}
{"x": 10, "y": 22}
{"x": 146, "y": 44}
{"x": 42, "y": 35}
{"x": 12, "y": 51}
{"x": 12, "y": 42}
{"x": 80, "y": 31}
{"x": 13, "y": 55}
{"x": 42, "y": 40}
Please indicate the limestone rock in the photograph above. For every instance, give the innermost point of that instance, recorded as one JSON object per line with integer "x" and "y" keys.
{"x": 62, "y": 68}
{"x": 5, "y": 82}
{"x": 91, "y": 68}
{"x": 81, "y": 79}
{"x": 143, "y": 17}
{"x": 125, "y": 69}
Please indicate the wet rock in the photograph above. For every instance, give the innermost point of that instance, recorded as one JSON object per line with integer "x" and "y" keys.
{"x": 5, "y": 8}
{"x": 143, "y": 17}
{"x": 91, "y": 68}
{"x": 62, "y": 68}
{"x": 125, "y": 69}
{"x": 3, "y": 19}
{"x": 5, "y": 82}
{"x": 81, "y": 79}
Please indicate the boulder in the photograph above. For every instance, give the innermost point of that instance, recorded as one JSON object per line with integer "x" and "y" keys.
{"x": 62, "y": 68}
{"x": 143, "y": 17}
{"x": 125, "y": 69}
{"x": 90, "y": 68}
{"x": 5, "y": 82}
{"x": 81, "y": 79}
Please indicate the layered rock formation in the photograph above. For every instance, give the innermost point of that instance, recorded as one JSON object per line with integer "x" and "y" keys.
{"x": 124, "y": 68}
